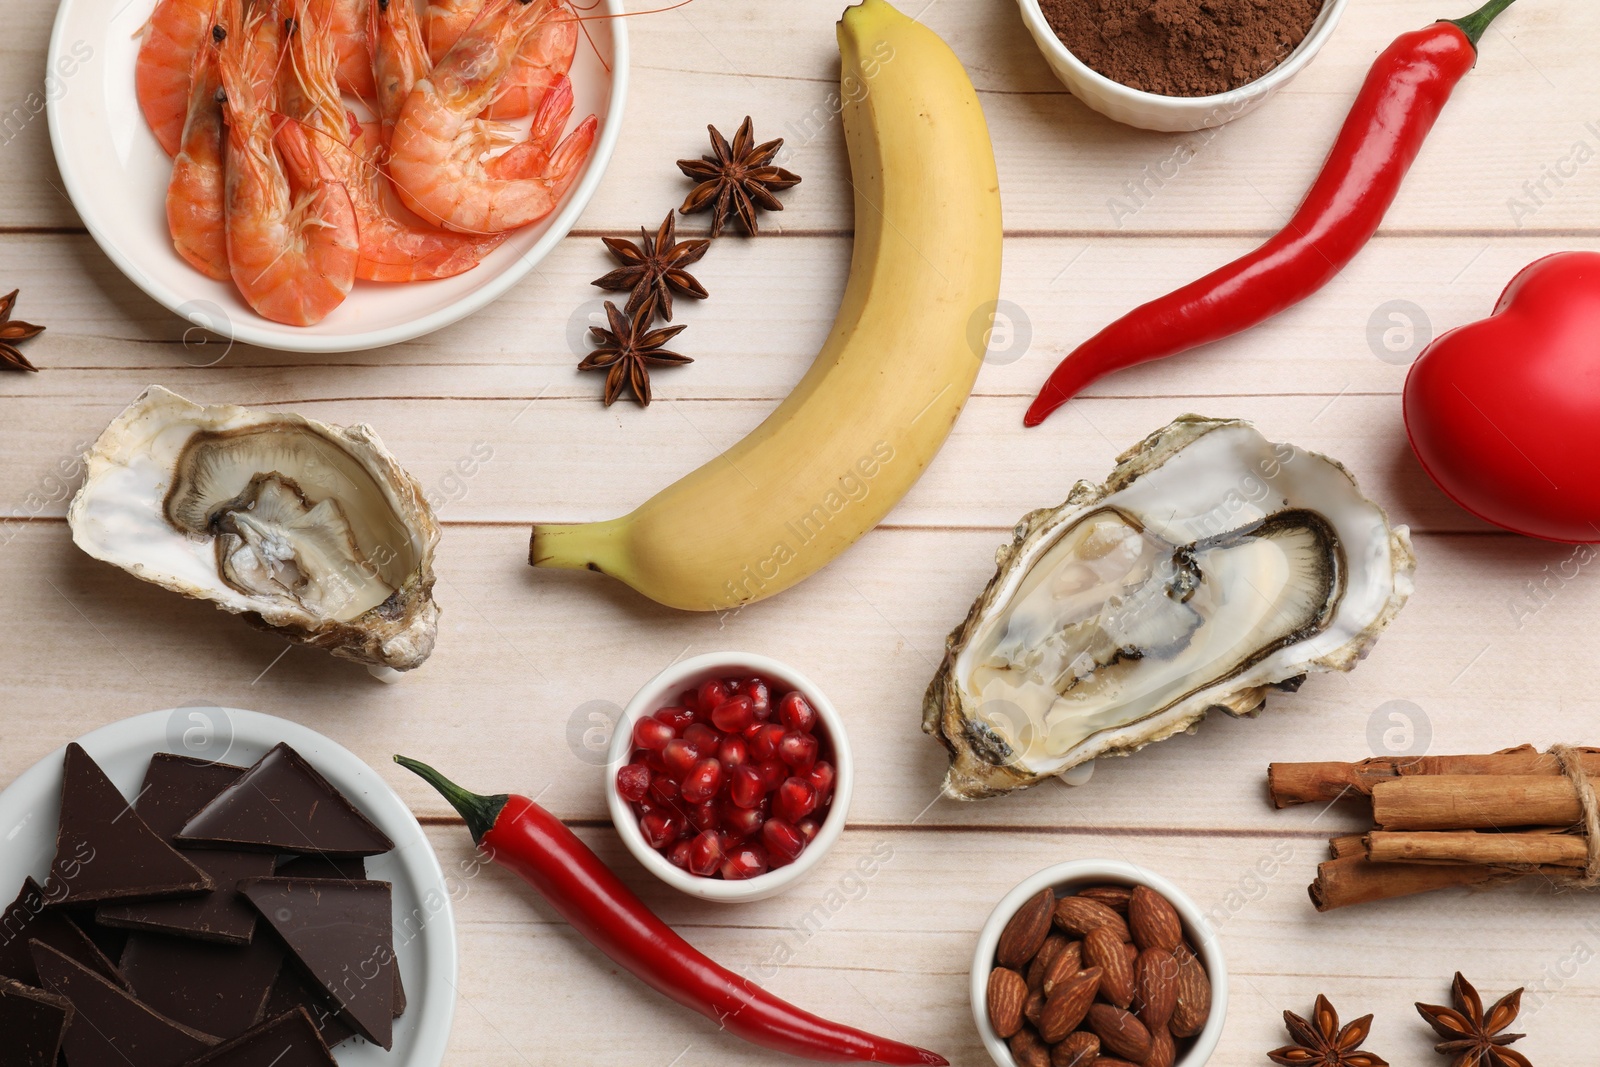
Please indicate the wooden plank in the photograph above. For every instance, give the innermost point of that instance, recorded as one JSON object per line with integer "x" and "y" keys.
{"x": 1061, "y": 165}
{"x": 527, "y": 658}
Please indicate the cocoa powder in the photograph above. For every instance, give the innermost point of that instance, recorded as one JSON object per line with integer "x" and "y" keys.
{"x": 1181, "y": 47}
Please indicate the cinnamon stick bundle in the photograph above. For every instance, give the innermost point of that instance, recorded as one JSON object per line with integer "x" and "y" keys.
{"x": 1443, "y": 821}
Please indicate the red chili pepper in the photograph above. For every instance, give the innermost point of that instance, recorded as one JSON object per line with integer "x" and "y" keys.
{"x": 521, "y": 835}
{"x": 1404, "y": 92}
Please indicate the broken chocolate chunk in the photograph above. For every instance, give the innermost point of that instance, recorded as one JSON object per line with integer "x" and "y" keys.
{"x": 343, "y": 935}
{"x": 105, "y": 850}
{"x": 221, "y": 989}
{"x": 295, "y": 989}
{"x": 283, "y": 805}
{"x": 290, "y": 1040}
{"x": 175, "y": 787}
{"x": 109, "y": 1026}
{"x": 29, "y": 918}
{"x": 34, "y": 1022}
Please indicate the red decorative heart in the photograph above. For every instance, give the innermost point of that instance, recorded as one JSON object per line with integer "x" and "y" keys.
{"x": 1504, "y": 413}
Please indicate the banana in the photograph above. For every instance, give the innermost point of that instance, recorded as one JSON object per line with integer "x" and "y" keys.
{"x": 866, "y": 420}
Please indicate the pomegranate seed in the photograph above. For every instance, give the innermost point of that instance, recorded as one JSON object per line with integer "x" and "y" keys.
{"x": 745, "y": 786}
{"x": 797, "y": 713}
{"x": 764, "y": 745}
{"x": 679, "y": 756}
{"x": 821, "y": 775}
{"x": 795, "y": 799}
{"x": 690, "y": 698}
{"x": 744, "y": 861}
{"x": 798, "y": 751}
{"x": 808, "y": 828}
{"x": 663, "y": 788}
{"x": 702, "y": 737}
{"x": 659, "y": 830}
{"x": 782, "y": 839}
{"x": 712, "y": 693}
{"x": 677, "y": 718}
{"x": 702, "y": 781}
{"x": 772, "y": 774}
{"x": 733, "y": 752}
{"x": 633, "y": 782}
{"x": 760, "y": 698}
{"x": 645, "y": 806}
{"x": 749, "y": 732}
{"x": 705, "y": 815}
{"x": 733, "y": 715}
{"x": 705, "y": 853}
{"x": 652, "y": 735}
{"x": 742, "y": 822}
{"x": 678, "y": 854}
{"x": 735, "y": 686}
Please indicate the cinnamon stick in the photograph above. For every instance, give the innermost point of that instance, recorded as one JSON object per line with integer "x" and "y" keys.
{"x": 1514, "y": 850}
{"x": 1347, "y": 845}
{"x": 1306, "y": 783}
{"x": 1357, "y": 880}
{"x": 1474, "y": 802}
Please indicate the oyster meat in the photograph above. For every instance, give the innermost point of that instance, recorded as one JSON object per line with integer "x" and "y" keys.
{"x": 1211, "y": 566}
{"x": 309, "y": 530}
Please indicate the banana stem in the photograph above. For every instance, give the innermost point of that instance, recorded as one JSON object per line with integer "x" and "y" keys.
{"x": 591, "y": 546}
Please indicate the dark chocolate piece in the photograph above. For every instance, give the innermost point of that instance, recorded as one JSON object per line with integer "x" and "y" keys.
{"x": 110, "y": 1027}
{"x": 221, "y": 989}
{"x": 33, "y": 1022}
{"x": 399, "y": 1008}
{"x": 105, "y": 851}
{"x": 283, "y": 805}
{"x": 290, "y": 1040}
{"x": 175, "y": 787}
{"x": 295, "y": 989}
{"x": 30, "y": 918}
{"x": 350, "y": 868}
{"x": 343, "y": 935}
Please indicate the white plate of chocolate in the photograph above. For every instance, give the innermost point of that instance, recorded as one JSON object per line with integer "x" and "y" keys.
{"x": 218, "y": 888}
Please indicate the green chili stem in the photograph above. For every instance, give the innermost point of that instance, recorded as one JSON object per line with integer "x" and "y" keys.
{"x": 480, "y": 812}
{"x": 1474, "y": 24}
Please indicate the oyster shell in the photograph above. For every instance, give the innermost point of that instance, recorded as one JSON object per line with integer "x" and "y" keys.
{"x": 309, "y": 530}
{"x": 1211, "y": 566}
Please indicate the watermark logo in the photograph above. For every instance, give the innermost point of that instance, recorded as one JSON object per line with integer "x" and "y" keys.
{"x": 200, "y": 731}
{"x": 589, "y": 315}
{"x": 589, "y": 730}
{"x": 1399, "y": 728}
{"x": 1397, "y": 331}
{"x": 999, "y": 332}
{"x": 209, "y": 337}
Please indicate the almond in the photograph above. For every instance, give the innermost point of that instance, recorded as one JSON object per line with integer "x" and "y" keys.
{"x": 1028, "y": 1050}
{"x": 1114, "y": 897}
{"x": 1007, "y": 994}
{"x": 1102, "y": 949}
{"x": 1079, "y": 915}
{"x": 1152, "y": 920}
{"x": 1155, "y": 986}
{"x": 1120, "y": 1032}
{"x": 1162, "y": 1051}
{"x": 1052, "y": 947}
{"x": 1193, "y": 1005}
{"x": 1076, "y": 1050}
{"x": 1068, "y": 962}
{"x": 1024, "y": 935}
{"x": 1067, "y": 1006}
{"x": 1034, "y": 1007}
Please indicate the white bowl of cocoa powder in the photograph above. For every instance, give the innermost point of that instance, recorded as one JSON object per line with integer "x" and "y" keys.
{"x": 1178, "y": 65}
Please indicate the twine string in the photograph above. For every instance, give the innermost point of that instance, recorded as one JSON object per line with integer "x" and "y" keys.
{"x": 1571, "y": 761}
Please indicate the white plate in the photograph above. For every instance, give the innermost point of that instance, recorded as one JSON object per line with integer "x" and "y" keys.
{"x": 29, "y": 810}
{"x": 116, "y": 175}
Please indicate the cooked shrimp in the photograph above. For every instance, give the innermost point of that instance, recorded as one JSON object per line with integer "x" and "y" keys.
{"x": 546, "y": 55}
{"x": 174, "y": 35}
{"x": 399, "y": 59}
{"x": 194, "y": 195}
{"x": 349, "y": 26}
{"x": 395, "y": 246}
{"x": 436, "y": 158}
{"x": 531, "y": 158}
{"x": 292, "y": 239}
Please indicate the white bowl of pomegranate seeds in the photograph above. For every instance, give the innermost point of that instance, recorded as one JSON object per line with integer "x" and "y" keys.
{"x": 730, "y": 776}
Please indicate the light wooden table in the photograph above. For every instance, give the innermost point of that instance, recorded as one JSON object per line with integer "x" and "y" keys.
{"x": 1498, "y": 646}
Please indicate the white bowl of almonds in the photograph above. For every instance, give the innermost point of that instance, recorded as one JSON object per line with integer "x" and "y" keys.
{"x": 1098, "y": 961}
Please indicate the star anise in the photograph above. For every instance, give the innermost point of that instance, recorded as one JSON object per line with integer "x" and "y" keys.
{"x": 737, "y": 180}
{"x": 13, "y": 331}
{"x": 1321, "y": 1042}
{"x": 1472, "y": 1037}
{"x": 628, "y": 349}
{"x": 653, "y": 268}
